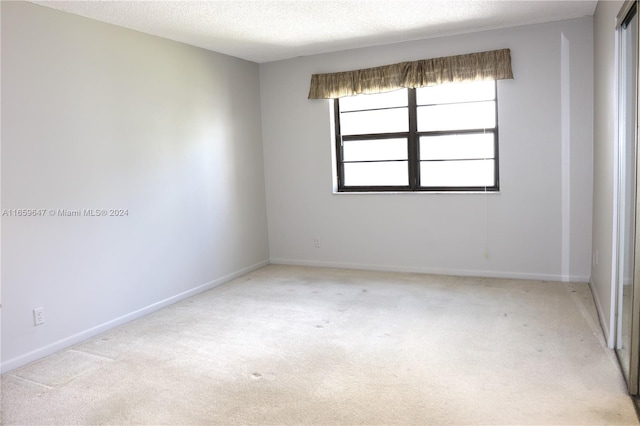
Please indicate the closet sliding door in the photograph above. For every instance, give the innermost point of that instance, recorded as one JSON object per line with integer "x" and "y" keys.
{"x": 628, "y": 267}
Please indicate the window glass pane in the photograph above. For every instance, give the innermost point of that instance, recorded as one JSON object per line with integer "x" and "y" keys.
{"x": 457, "y": 147}
{"x": 375, "y": 150}
{"x": 397, "y": 98}
{"x": 475, "y": 115}
{"x": 456, "y": 92}
{"x": 457, "y": 173}
{"x": 394, "y": 173}
{"x": 376, "y": 121}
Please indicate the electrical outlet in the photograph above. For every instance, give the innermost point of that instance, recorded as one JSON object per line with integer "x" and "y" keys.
{"x": 38, "y": 316}
{"x": 316, "y": 243}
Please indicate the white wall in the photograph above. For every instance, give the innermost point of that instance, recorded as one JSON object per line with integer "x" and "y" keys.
{"x": 604, "y": 125}
{"x": 96, "y": 116}
{"x": 443, "y": 232}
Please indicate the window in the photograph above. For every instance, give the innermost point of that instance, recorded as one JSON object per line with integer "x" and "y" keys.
{"x": 436, "y": 138}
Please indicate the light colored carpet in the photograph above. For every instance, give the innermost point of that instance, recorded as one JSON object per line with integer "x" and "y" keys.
{"x": 296, "y": 345}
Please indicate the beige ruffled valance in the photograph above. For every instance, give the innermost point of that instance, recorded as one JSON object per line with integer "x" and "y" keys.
{"x": 490, "y": 65}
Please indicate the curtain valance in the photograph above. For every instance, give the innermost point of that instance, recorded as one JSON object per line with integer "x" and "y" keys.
{"x": 490, "y": 65}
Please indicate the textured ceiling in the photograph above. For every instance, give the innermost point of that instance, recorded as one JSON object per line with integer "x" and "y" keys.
{"x": 269, "y": 30}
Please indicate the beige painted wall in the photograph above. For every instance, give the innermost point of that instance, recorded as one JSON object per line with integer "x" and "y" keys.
{"x": 100, "y": 117}
{"x": 525, "y": 234}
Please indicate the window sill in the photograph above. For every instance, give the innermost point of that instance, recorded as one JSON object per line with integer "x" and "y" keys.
{"x": 414, "y": 192}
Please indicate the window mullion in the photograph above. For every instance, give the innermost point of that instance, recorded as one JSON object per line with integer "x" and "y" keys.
{"x": 413, "y": 153}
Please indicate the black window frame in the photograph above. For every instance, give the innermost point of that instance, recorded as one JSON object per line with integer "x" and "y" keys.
{"x": 413, "y": 146}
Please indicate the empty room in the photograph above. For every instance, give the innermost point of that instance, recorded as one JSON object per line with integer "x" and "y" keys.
{"x": 347, "y": 212}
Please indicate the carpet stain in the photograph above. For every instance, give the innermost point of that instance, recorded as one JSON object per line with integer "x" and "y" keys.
{"x": 262, "y": 376}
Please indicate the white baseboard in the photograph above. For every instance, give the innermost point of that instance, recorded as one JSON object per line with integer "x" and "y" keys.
{"x": 94, "y": 331}
{"x": 435, "y": 271}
